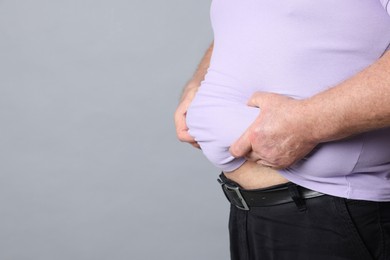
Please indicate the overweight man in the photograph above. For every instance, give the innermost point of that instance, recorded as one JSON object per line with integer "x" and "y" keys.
{"x": 292, "y": 103}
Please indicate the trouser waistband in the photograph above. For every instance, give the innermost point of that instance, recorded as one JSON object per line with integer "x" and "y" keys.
{"x": 270, "y": 196}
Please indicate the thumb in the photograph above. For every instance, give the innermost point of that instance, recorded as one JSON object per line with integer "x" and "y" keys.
{"x": 242, "y": 146}
{"x": 257, "y": 99}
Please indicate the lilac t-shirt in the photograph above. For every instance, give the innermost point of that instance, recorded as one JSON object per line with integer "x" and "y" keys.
{"x": 295, "y": 48}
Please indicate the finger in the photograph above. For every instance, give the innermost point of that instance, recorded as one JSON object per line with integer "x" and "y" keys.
{"x": 196, "y": 145}
{"x": 181, "y": 128}
{"x": 260, "y": 99}
{"x": 266, "y": 164}
{"x": 257, "y": 99}
{"x": 271, "y": 165}
{"x": 180, "y": 120}
{"x": 184, "y": 136}
{"x": 242, "y": 146}
{"x": 252, "y": 156}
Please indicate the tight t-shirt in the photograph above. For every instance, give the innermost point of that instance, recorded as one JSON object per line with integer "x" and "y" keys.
{"x": 295, "y": 48}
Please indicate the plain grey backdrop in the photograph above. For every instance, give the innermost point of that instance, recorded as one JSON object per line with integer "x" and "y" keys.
{"x": 90, "y": 167}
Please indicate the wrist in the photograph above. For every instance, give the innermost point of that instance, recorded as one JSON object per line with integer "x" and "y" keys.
{"x": 322, "y": 120}
{"x": 303, "y": 122}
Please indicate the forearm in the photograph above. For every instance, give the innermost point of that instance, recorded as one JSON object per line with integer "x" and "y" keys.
{"x": 200, "y": 72}
{"x": 359, "y": 104}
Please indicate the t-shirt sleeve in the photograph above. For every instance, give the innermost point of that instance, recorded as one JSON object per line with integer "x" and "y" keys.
{"x": 386, "y": 5}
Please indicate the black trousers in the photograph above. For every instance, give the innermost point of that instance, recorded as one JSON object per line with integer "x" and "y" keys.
{"x": 330, "y": 228}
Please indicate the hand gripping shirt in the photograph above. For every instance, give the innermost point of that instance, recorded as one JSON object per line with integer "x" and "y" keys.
{"x": 295, "y": 48}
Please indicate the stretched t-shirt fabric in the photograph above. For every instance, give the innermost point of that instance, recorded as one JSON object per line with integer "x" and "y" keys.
{"x": 296, "y": 48}
{"x": 386, "y": 5}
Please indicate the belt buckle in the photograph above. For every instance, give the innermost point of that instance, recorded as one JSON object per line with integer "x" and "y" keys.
{"x": 234, "y": 196}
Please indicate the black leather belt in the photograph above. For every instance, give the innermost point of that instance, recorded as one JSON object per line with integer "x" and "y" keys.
{"x": 275, "y": 195}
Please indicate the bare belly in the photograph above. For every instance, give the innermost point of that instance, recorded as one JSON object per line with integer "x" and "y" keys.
{"x": 254, "y": 176}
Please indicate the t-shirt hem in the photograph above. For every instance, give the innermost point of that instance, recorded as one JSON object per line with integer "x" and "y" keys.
{"x": 233, "y": 165}
{"x": 342, "y": 190}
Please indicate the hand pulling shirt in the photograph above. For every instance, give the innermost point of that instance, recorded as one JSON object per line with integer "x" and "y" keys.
{"x": 296, "y": 48}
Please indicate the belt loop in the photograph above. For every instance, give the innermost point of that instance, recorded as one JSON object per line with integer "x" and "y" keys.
{"x": 296, "y": 196}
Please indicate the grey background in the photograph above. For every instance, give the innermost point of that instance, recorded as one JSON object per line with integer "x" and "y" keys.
{"x": 90, "y": 167}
